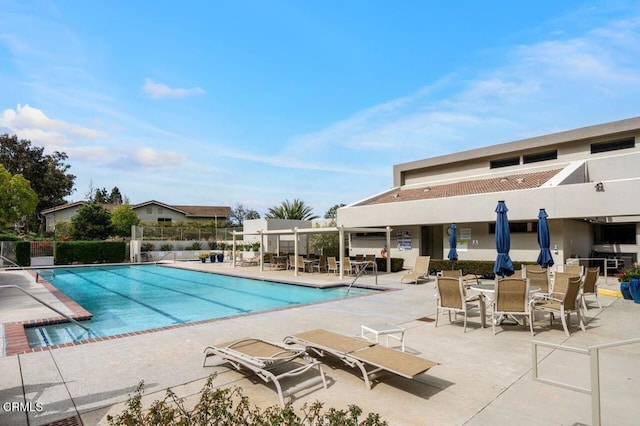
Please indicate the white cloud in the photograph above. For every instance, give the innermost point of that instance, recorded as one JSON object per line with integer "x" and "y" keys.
{"x": 149, "y": 157}
{"x": 33, "y": 124}
{"x": 160, "y": 90}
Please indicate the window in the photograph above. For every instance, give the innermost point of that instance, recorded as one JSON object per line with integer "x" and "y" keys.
{"x": 613, "y": 145}
{"x": 614, "y": 234}
{"x": 160, "y": 210}
{"x": 164, "y": 220}
{"x": 517, "y": 227}
{"x": 504, "y": 162}
{"x": 149, "y": 210}
{"x": 540, "y": 156}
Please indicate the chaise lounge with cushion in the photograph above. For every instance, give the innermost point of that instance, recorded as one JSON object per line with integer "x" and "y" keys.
{"x": 269, "y": 361}
{"x": 369, "y": 357}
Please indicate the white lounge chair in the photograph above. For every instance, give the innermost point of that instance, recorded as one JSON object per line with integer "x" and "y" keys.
{"x": 420, "y": 270}
{"x": 269, "y": 361}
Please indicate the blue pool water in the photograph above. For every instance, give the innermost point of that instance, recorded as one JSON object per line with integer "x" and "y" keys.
{"x": 124, "y": 299}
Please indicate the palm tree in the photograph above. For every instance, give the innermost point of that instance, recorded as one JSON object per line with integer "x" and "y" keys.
{"x": 296, "y": 210}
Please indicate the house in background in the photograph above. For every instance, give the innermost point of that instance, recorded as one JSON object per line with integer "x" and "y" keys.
{"x": 148, "y": 212}
{"x": 587, "y": 180}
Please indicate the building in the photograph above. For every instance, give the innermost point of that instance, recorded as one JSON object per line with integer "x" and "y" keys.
{"x": 587, "y": 180}
{"x": 148, "y": 212}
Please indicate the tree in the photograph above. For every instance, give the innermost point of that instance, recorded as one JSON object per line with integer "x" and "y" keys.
{"x": 122, "y": 217}
{"x": 332, "y": 213}
{"x": 115, "y": 197}
{"x": 17, "y": 198}
{"x": 91, "y": 222}
{"x": 240, "y": 213}
{"x": 47, "y": 174}
{"x": 296, "y": 210}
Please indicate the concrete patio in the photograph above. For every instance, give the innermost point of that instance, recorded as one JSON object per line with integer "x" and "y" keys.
{"x": 482, "y": 379}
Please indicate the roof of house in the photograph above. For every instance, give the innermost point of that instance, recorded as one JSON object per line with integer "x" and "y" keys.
{"x": 189, "y": 211}
{"x": 480, "y": 186}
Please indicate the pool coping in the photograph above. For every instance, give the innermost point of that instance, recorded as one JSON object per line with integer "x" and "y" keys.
{"x": 17, "y": 343}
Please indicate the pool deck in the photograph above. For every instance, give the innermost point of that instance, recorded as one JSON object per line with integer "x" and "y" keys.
{"x": 482, "y": 379}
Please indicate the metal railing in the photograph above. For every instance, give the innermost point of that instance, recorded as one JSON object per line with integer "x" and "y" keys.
{"x": 46, "y": 304}
{"x": 594, "y": 354}
{"x": 362, "y": 268}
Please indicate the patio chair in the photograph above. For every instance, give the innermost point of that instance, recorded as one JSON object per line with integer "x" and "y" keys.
{"x": 454, "y": 273}
{"x": 332, "y": 265}
{"x": 511, "y": 299}
{"x": 368, "y": 356}
{"x": 563, "y": 301}
{"x": 269, "y": 361}
{"x": 250, "y": 261}
{"x": 321, "y": 266}
{"x": 538, "y": 277}
{"x": 452, "y": 297}
{"x": 590, "y": 286}
{"x": 573, "y": 269}
{"x": 347, "y": 267}
{"x": 420, "y": 270}
{"x": 371, "y": 262}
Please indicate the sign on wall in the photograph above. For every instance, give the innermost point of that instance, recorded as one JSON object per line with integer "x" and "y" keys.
{"x": 404, "y": 240}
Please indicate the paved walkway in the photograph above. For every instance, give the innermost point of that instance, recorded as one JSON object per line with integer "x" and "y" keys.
{"x": 482, "y": 379}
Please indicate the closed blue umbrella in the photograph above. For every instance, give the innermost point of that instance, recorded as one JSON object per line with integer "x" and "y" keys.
{"x": 503, "y": 266}
{"x": 453, "y": 243}
{"x": 544, "y": 258}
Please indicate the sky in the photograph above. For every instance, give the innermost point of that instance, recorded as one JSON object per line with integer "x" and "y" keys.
{"x": 256, "y": 102}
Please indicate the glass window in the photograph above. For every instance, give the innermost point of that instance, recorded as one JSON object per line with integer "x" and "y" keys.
{"x": 504, "y": 162}
{"x": 540, "y": 156}
{"x": 614, "y": 234}
{"x": 613, "y": 145}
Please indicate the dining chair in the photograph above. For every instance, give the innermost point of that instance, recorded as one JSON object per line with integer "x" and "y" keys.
{"x": 371, "y": 262}
{"x": 321, "y": 265}
{"x": 332, "y": 265}
{"x": 359, "y": 257}
{"x": 452, "y": 297}
{"x": 511, "y": 298}
{"x": 538, "y": 277}
{"x": 575, "y": 269}
{"x": 455, "y": 273}
{"x": 564, "y": 300}
{"x": 590, "y": 286}
{"x": 347, "y": 267}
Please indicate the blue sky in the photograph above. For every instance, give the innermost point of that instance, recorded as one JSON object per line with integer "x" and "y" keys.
{"x": 255, "y": 102}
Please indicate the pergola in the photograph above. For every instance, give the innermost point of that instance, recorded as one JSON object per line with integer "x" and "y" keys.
{"x": 341, "y": 230}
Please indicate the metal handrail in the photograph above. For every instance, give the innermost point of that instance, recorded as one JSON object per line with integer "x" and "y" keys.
{"x": 10, "y": 261}
{"x": 45, "y": 304}
{"x": 594, "y": 355}
{"x": 167, "y": 254}
{"x": 361, "y": 271}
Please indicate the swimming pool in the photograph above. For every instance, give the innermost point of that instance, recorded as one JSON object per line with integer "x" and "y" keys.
{"x": 125, "y": 299}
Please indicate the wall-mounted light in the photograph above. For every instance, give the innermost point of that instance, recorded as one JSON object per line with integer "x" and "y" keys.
{"x": 555, "y": 248}
{"x": 599, "y": 187}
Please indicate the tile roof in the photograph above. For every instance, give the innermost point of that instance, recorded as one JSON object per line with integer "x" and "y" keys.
{"x": 208, "y": 211}
{"x": 481, "y": 186}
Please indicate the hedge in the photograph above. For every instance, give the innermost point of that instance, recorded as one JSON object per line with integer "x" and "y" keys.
{"x": 69, "y": 252}
{"x": 483, "y": 268}
{"x": 397, "y": 264}
{"x": 23, "y": 253}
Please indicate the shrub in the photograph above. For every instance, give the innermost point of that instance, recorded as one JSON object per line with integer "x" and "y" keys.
{"x": 166, "y": 247}
{"x": 23, "y": 253}
{"x": 223, "y": 406}
{"x": 146, "y": 247}
{"x": 397, "y": 264}
{"x": 483, "y": 268}
{"x": 68, "y": 252}
{"x": 213, "y": 245}
{"x": 9, "y": 237}
{"x": 196, "y": 245}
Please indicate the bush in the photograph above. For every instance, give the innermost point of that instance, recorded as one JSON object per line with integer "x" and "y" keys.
{"x": 146, "y": 247}
{"x": 224, "y": 406}
{"x": 196, "y": 245}
{"x": 483, "y": 268}
{"x": 69, "y": 252}
{"x": 397, "y": 264}
{"x": 166, "y": 247}
{"x": 23, "y": 253}
{"x": 9, "y": 237}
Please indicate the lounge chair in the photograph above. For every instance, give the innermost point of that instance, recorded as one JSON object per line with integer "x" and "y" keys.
{"x": 269, "y": 361}
{"x": 250, "y": 261}
{"x": 420, "y": 270}
{"x": 368, "y": 356}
